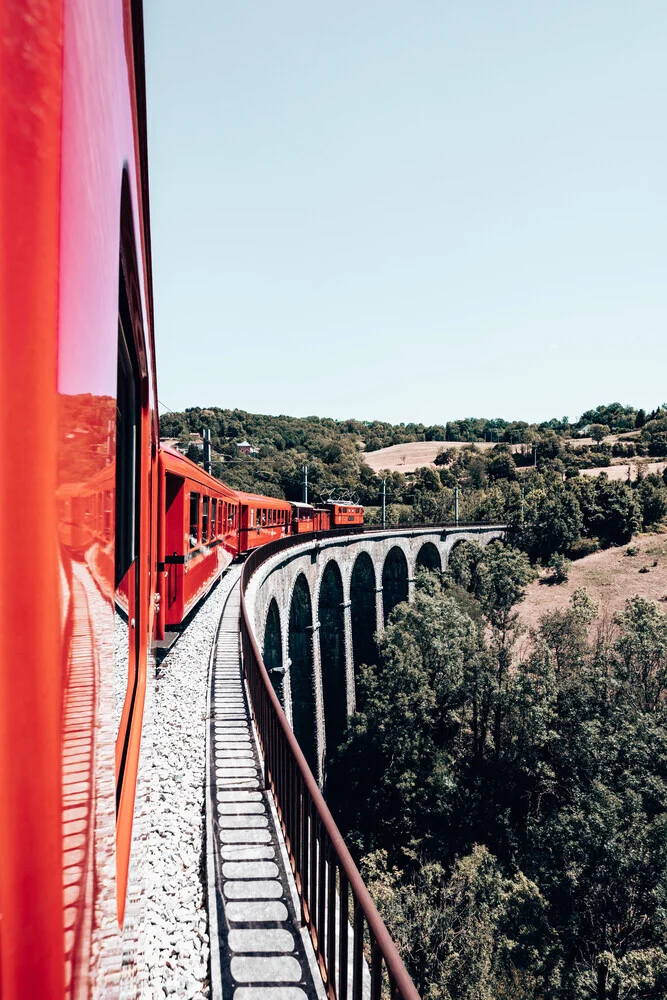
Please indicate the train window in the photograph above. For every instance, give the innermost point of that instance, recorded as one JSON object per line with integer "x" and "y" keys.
{"x": 128, "y": 620}
{"x": 204, "y": 518}
{"x": 127, "y": 454}
{"x": 252, "y": 517}
{"x": 194, "y": 520}
{"x": 214, "y": 518}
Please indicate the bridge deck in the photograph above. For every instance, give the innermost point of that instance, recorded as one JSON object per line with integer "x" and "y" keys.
{"x": 258, "y": 948}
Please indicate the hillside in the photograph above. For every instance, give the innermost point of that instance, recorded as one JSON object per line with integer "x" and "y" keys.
{"x": 610, "y": 577}
{"x": 412, "y": 455}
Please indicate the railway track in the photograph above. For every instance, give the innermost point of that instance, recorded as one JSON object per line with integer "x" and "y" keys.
{"x": 259, "y": 950}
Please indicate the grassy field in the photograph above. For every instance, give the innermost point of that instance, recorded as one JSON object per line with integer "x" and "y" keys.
{"x": 609, "y": 576}
{"x": 416, "y": 454}
{"x": 619, "y": 470}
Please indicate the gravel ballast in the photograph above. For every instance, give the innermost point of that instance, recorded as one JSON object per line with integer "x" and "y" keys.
{"x": 176, "y": 941}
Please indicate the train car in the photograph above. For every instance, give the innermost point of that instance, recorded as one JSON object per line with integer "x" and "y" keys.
{"x": 263, "y": 519}
{"x": 198, "y": 535}
{"x": 303, "y": 518}
{"x": 345, "y": 514}
{"x": 322, "y": 519}
{"x": 78, "y": 400}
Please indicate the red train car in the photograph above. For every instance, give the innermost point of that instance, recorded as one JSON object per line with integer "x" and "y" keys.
{"x": 77, "y": 390}
{"x": 263, "y": 519}
{"x": 303, "y": 518}
{"x": 198, "y": 535}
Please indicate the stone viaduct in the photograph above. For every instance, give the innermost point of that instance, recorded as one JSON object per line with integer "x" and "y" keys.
{"x": 317, "y": 607}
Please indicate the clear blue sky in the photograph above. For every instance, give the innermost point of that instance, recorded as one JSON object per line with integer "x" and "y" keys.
{"x": 409, "y": 210}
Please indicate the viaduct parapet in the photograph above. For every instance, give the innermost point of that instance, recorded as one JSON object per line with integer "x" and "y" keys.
{"x": 317, "y": 608}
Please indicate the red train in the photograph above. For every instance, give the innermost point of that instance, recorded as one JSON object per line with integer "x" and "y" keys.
{"x": 204, "y": 524}
{"x": 116, "y": 522}
{"x": 198, "y": 532}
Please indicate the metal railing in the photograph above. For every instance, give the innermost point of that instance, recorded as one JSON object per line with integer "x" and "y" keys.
{"x": 357, "y": 958}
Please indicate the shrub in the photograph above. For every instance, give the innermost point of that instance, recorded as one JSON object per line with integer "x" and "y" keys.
{"x": 644, "y": 569}
{"x": 560, "y": 567}
{"x": 632, "y": 550}
{"x": 584, "y": 547}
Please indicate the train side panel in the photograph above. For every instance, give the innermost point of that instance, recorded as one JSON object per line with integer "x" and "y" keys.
{"x": 263, "y": 519}
{"x": 199, "y": 524}
{"x": 75, "y": 235}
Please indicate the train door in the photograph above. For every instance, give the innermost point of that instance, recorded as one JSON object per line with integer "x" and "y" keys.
{"x": 127, "y": 566}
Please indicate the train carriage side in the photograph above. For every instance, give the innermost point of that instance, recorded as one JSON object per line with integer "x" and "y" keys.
{"x": 303, "y": 518}
{"x": 263, "y": 519}
{"x": 79, "y": 389}
{"x": 199, "y": 519}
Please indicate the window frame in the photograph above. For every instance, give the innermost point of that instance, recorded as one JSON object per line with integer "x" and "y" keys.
{"x": 197, "y": 535}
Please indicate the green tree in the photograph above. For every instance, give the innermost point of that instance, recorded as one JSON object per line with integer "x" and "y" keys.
{"x": 652, "y": 497}
{"x": 643, "y": 649}
{"x": 598, "y": 432}
{"x": 550, "y": 520}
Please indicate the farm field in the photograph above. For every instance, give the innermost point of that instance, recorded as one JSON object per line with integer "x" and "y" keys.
{"x": 416, "y": 454}
{"x": 620, "y": 470}
{"x": 610, "y": 577}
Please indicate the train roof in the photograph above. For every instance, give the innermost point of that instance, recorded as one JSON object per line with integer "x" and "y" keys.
{"x": 264, "y": 501}
{"x": 177, "y": 463}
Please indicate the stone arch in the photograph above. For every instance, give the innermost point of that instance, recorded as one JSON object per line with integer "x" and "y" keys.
{"x": 394, "y": 580}
{"x": 428, "y": 557}
{"x": 363, "y": 601}
{"x": 273, "y": 650}
{"x": 302, "y": 679}
{"x": 331, "y": 617}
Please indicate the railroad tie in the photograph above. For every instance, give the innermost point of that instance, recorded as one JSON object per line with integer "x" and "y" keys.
{"x": 260, "y": 948}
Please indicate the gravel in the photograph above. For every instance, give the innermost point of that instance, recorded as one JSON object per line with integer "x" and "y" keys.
{"x": 176, "y": 928}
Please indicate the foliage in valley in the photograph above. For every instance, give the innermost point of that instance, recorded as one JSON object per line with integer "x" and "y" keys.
{"x": 510, "y": 818}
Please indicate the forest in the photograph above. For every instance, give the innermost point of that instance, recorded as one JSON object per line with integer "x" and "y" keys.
{"x": 509, "y": 815}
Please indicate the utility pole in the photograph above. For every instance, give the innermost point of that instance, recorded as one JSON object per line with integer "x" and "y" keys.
{"x": 456, "y": 504}
{"x": 206, "y": 439}
{"x": 305, "y": 484}
{"x": 384, "y": 503}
